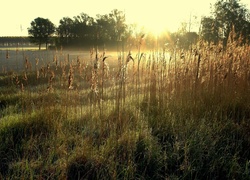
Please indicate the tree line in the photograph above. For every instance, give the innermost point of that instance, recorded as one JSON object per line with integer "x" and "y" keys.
{"x": 82, "y": 30}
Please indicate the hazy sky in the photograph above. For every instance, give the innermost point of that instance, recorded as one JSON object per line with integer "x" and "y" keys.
{"x": 16, "y": 15}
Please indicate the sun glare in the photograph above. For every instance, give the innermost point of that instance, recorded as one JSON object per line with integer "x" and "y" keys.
{"x": 156, "y": 19}
{"x": 156, "y": 28}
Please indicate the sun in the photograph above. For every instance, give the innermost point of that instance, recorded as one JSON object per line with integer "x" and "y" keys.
{"x": 156, "y": 28}
{"x": 155, "y": 19}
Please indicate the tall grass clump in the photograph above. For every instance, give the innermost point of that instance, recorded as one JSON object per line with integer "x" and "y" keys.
{"x": 204, "y": 95}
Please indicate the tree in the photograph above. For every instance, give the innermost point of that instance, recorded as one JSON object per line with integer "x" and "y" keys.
{"x": 103, "y": 28}
{"x": 41, "y": 31}
{"x": 209, "y": 30}
{"x": 112, "y": 26}
{"x": 118, "y": 21}
{"x": 65, "y": 30}
{"x": 183, "y": 37}
{"x": 83, "y": 27}
{"x": 232, "y": 15}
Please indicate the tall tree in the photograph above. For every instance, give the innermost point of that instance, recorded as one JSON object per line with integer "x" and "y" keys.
{"x": 82, "y": 28}
{"x": 232, "y": 15}
{"x": 41, "y": 31}
{"x": 118, "y": 21}
{"x": 65, "y": 30}
{"x": 183, "y": 38}
{"x": 209, "y": 30}
{"x": 103, "y": 28}
{"x": 112, "y": 26}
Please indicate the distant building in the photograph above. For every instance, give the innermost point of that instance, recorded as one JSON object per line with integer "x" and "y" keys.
{"x": 14, "y": 41}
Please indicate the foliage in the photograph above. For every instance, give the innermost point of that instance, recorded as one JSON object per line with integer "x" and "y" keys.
{"x": 227, "y": 16}
{"x": 86, "y": 30}
{"x": 65, "y": 30}
{"x": 41, "y": 31}
{"x": 210, "y": 30}
{"x": 231, "y": 14}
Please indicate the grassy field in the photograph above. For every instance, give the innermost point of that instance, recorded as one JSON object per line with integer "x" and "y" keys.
{"x": 160, "y": 114}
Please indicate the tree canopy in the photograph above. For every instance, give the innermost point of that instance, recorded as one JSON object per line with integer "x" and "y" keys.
{"x": 40, "y": 31}
{"x": 83, "y": 29}
{"x": 227, "y": 16}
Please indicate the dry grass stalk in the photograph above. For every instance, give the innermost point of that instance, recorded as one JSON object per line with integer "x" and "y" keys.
{"x": 28, "y": 65}
{"x": 52, "y": 76}
{"x": 70, "y": 80}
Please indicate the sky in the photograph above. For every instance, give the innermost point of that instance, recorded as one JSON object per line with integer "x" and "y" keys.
{"x": 153, "y": 15}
